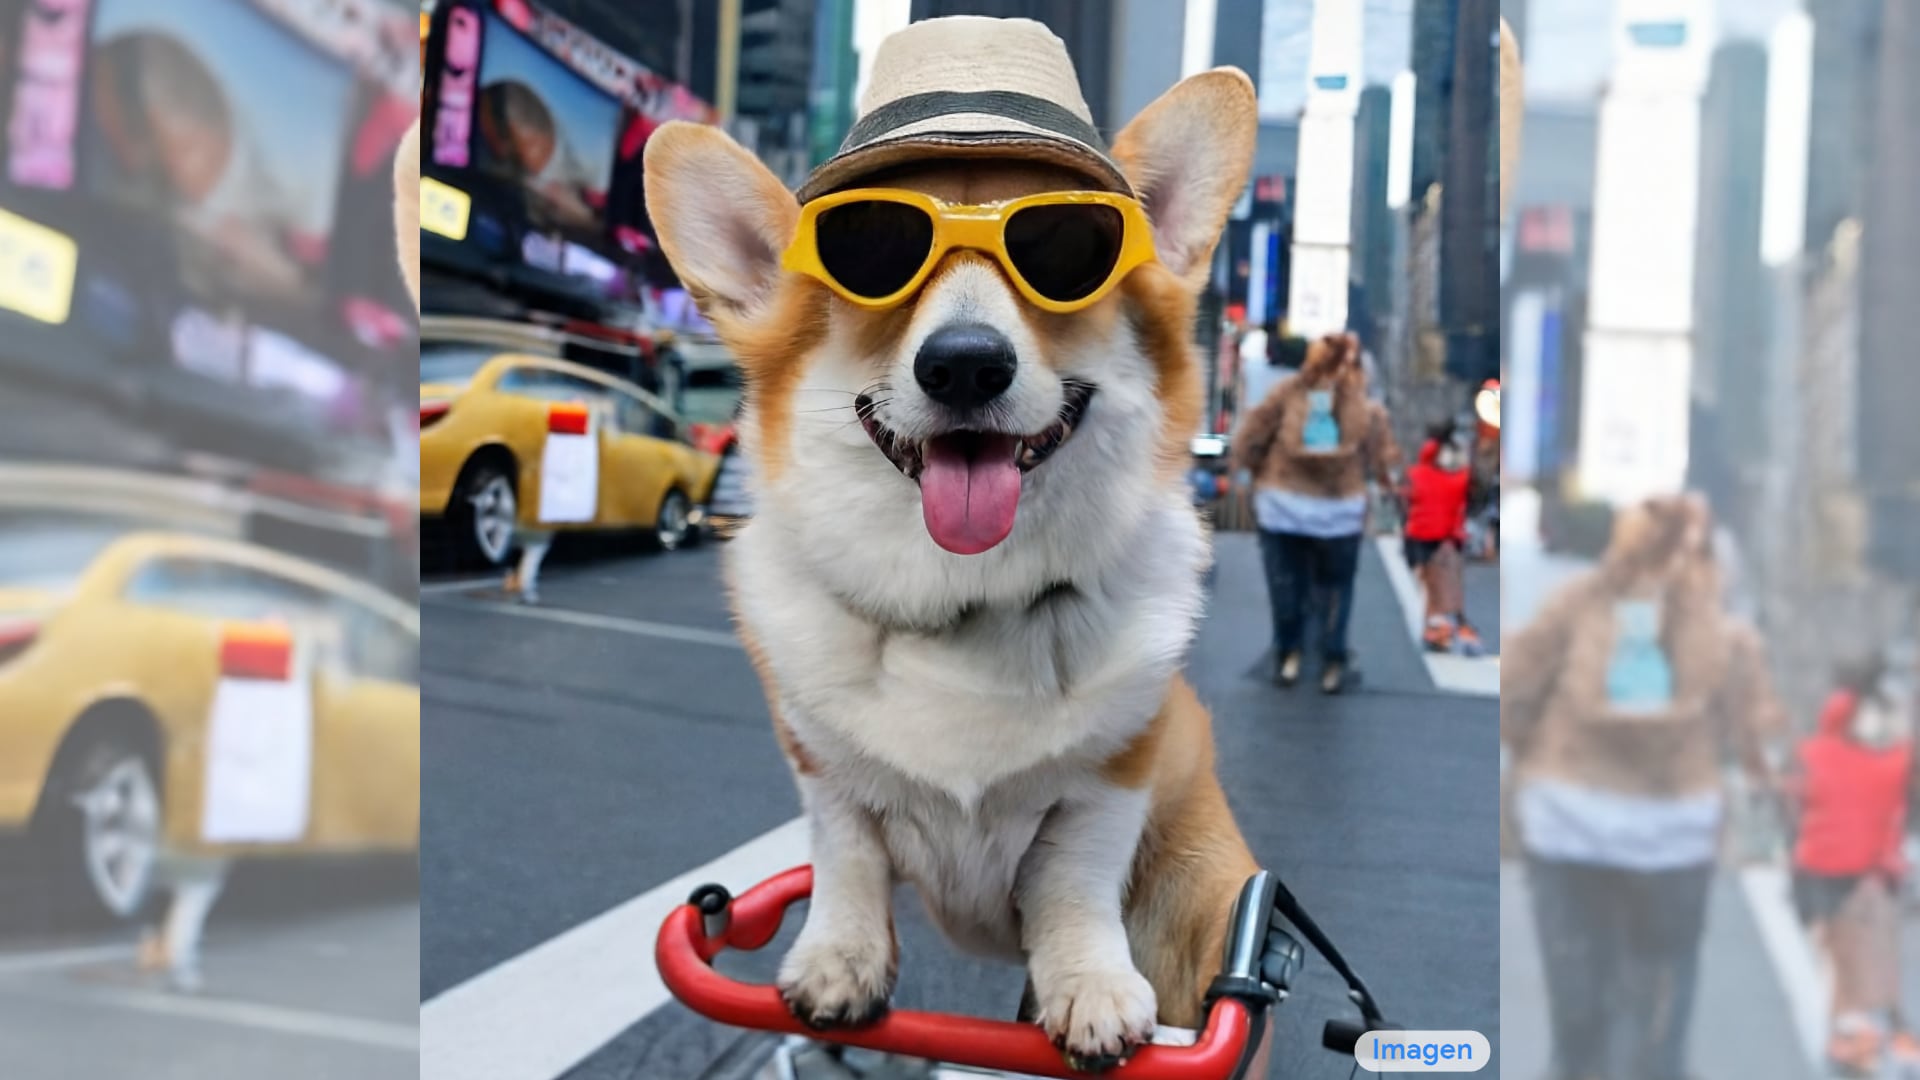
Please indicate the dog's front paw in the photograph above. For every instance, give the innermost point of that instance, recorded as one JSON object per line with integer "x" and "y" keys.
{"x": 1097, "y": 1018}
{"x": 838, "y": 982}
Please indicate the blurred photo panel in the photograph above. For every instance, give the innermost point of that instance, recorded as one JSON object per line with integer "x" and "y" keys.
{"x": 851, "y": 429}
{"x": 1710, "y": 700}
{"x": 209, "y": 632}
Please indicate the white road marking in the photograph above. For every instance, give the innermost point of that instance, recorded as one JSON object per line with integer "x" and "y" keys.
{"x": 539, "y": 1014}
{"x": 57, "y": 959}
{"x": 431, "y": 588}
{"x": 1803, "y": 978}
{"x": 402, "y": 1038}
{"x": 1475, "y": 675}
{"x": 619, "y": 624}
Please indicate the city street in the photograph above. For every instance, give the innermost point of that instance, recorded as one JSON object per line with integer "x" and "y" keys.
{"x": 588, "y": 761}
{"x": 308, "y": 972}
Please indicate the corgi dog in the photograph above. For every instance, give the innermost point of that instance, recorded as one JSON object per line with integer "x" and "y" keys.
{"x": 974, "y": 574}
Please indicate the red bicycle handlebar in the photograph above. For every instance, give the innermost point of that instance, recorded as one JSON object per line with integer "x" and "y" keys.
{"x": 685, "y": 953}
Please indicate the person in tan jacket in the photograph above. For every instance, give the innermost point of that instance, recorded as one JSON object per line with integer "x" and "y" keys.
{"x": 1618, "y": 704}
{"x": 1311, "y": 447}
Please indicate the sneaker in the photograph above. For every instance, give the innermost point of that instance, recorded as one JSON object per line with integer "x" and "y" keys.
{"x": 1904, "y": 1051}
{"x": 1854, "y": 1053}
{"x": 1333, "y": 679}
{"x": 1468, "y": 640}
{"x": 1438, "y": 637}
{"x": 1286, "y": 670}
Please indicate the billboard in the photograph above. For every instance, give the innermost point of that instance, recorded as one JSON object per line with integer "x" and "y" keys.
{"x": 197, "y": 195}
{"x": 535, "y": 131}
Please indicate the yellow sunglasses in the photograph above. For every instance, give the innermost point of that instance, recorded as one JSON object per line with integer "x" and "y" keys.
{"x": 1064, "y": 250}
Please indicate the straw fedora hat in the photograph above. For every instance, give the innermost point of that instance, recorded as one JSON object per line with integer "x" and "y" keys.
{"x": 1509, "y": 111}
{"x": 968, "y": 86}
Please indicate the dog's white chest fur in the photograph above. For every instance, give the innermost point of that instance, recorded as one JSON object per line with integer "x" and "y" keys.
{"x": 1075, "y": 667}
{"x": 960, "y": 737}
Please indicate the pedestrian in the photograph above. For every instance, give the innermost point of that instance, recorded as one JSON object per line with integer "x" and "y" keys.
{"x": 1850, "y": 790}
{"x": 523, "y": 578}
{"x": 1619, "y": 703}
{"x": 1310, "y": 447}
{"x": 1438, "y": 489}
{"x": 172, "y": 946}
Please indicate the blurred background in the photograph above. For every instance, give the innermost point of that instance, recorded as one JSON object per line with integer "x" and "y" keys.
{"x": 208, "y": 558}
{"x": 598, "y": 745}
{"x": 1706, "y": 285}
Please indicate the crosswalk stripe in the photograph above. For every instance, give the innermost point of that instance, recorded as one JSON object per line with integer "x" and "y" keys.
{"x": 539, "y": 1014}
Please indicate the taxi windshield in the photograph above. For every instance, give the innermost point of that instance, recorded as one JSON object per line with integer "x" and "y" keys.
{"x": 52, "y": 550}
{"x": 452, "y": 363}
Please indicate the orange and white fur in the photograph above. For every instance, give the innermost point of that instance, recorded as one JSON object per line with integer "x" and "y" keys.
{"x": 1008, "y": 731}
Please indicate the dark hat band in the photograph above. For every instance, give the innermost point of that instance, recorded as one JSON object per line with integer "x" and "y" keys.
{"x": 1025, "y": 108}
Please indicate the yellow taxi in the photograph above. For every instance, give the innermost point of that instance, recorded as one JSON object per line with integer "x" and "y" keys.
{"x": 487, "y": 420}
{"x": 123, "y": 651}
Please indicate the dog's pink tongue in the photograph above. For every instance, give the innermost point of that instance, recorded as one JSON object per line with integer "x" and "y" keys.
{"x": 969, "y": 491}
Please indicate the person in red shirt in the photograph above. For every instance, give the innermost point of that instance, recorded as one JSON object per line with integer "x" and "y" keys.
{"x": 1438, "y": 489}
{"x": 1850, "y": 787}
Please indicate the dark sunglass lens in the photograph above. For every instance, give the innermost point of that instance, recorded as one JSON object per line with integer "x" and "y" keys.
{"x": 873, "y": 249}
{"x": 1065, "y": 252}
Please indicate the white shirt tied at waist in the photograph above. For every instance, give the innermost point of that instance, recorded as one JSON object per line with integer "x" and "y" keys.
{"x": 1567, "y": 822}
{"x": 1309, "y": 515}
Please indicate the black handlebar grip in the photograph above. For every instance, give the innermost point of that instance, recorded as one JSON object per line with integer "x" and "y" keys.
{"x": 711, "y": 899}
{"x": 715, "y": 905}
{"x": 1341, "y": 1036}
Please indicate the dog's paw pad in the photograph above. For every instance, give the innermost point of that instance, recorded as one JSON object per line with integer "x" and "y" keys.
{"x": 1097, "y": 1019}
{"x": 834, "y": 984}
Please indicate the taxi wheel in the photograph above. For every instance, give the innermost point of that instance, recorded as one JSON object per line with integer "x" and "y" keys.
{"x": 487, "y": 509}
{"x": 673, "y": 525}
{"x": 104, "y": 827}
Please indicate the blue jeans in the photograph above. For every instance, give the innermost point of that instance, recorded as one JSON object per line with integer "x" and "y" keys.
{"x": 1621, "y": 949}
{"x": 1310, "y": 575}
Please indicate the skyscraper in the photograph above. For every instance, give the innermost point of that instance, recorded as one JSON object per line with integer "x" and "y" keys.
{"x": 776, "y": 82}
{"x": 1469, "y": 226}
{"x": 1085, "y": 25}
{"x": 1432, "y": 62}
{"x": 1372, "y": 222}
{"x": 676, "y": 38}
{"x": 835, "y": 68}
{"x": 1846, "y": 59}
{"x": 1889, "y": 446}
{"x": 1730, "y": 306}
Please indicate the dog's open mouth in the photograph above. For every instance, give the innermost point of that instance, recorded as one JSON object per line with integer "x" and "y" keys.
{"x": 970, "y": 480}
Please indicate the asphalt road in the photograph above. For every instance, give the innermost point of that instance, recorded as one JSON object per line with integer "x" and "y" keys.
{"x": 579, "y": 755}
{"x": 309, "y": 973}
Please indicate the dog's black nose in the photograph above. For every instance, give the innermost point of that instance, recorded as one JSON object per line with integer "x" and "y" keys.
{"x": 965, "y": 365}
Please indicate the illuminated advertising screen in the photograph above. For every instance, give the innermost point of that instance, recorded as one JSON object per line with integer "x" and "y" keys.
{"x": 534, "y": 142}
{"x": 176, "y": 213}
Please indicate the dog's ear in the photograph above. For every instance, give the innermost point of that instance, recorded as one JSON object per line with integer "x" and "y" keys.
{"x": 1188, "y": 155}
{"x": 722, "y": 217}
{"x": 406, "y": 209}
